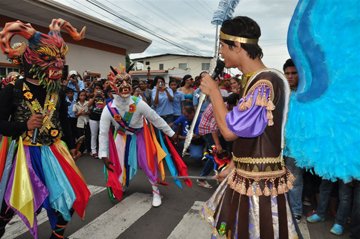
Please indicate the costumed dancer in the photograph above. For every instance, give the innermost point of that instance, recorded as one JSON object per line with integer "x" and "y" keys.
{"x": 251, "y": 202}
{"x": 38, "y": 170}
{"x": 136, "y": 144}
{"x": 323, "y": 129}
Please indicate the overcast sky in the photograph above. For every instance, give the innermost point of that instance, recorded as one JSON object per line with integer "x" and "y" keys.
{"x": 187, "y": 23}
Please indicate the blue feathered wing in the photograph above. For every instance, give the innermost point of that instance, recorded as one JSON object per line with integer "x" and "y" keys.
{"x": 323, "y": 127}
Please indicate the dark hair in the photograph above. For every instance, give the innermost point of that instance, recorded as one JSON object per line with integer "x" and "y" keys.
{"x": 78, "y": 96}
{"x": 156, "y": 79}
{"x": 288, "y": 63}
{"x": 98, "y": 84}
{"x": 184, "y": 79}
{"x": 244, "y": 27}
{"x": 173, "y": 80}
{"x": 189, "y": 109}
{"x": 203, "y": 72}
{"x": 232, "y": 99}
{"x": 68, "y": 90}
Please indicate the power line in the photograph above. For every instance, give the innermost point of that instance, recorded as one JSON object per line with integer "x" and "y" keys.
{"x": 204, "y": 6}
{"x": 169, "y": 19}
{"x": 133, "y": 23}
{"x": 140, "y": 19}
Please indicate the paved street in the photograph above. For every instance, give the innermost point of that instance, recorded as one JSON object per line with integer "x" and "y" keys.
{"x": 134, "y": 218}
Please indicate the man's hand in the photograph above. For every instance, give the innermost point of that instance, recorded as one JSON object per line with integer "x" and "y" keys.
{"x": 225, "y": 172}
{"x": 174, "y": 138}
{"x": 35, "y": 121}
{"x": 208, "y": 84}
{"x": 218, "y": 148}
{"x": 107, "y": 163}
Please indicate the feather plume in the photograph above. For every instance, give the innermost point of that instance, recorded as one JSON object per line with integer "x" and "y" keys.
{"x": 225, "y": 11}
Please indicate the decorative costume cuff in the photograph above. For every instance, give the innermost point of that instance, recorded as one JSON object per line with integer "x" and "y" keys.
{"x": 254, "y": 111}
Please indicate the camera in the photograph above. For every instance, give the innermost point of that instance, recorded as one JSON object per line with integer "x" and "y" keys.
{"x": 161, "y": 84}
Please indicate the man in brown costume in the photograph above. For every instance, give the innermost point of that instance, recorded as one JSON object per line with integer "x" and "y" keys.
{"x": 251, "y": 201}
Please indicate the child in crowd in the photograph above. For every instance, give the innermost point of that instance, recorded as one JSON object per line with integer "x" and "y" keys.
{"x": 178, "y": 98}
{"x": 81, "y": 111}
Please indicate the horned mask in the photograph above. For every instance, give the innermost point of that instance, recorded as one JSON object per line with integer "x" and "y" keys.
{"x": 120, "y": 81}
{"x": 44, "y": 55}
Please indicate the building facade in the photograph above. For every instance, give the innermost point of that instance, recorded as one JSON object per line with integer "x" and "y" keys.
{"x": 105, "y": 44}
{"x": 185, "y": 64}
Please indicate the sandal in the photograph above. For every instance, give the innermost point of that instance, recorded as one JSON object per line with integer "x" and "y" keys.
{"x": 203, "y": 184}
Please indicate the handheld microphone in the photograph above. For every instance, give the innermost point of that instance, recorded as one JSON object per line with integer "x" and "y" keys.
{"x": 34, "y": 136}
{"x": 218, "y": 69}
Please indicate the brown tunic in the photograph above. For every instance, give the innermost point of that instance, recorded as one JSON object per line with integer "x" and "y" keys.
{"x": 246, "y": 204}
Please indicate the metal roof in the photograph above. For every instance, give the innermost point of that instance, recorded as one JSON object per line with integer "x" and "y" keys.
{"x": 41, "y": 12}
{"x": 169, "y": 54}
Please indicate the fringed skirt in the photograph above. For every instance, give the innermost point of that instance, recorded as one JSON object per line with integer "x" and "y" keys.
{"x": 235, "y": 215}
{"x": 147, "y": 149}
{"x": 36, "y": 177}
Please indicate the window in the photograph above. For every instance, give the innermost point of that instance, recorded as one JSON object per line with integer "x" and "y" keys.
{"x": 2, "y": 71}
{"x": 205, "y": 66}
{"x": 183, "y": 66}
{"x": 6, "y": 70}
{"x": 161, "y": 66}
{"x": 147, "y": 63}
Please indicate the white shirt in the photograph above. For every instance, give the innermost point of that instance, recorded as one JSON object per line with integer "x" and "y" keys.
{"x": 82, "y": 120}
{"x": 122, "y": 105}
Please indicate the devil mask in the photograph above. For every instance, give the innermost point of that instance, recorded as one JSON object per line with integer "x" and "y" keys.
{"x": 120, "y": 82}
{"x": 44, "y": 57}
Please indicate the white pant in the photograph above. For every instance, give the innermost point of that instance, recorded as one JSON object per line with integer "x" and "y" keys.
{"x": 94, "y": 128}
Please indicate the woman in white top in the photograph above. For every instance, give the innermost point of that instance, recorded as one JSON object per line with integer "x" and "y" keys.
{"x": 81, "y": 111}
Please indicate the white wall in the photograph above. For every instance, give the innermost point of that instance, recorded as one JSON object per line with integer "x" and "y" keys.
{"x": 193, "y": 63}
{"x": 82, "y": 58}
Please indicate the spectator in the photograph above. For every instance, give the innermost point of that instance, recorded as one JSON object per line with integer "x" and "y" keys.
{"x": 97, "y": 104}
{"x": 197, "y": 94}
{"x": 343, "y": 210}
{"x": 355, "y": 212}
{"x": 182, "y": 126}
{"x": 9, "y": 79}
{"x": 178, "y": 98}
{"x": 162, "y": 98}
{"x": 70, "y": 100}
{"x": 224, "y": 83}
{"x": 106, "y": 85}
{"x": 295, "y": 194}
{"x": 208, "y": 128}
{"x": 81, "y": 111}
{"x": 235, "y": 85}
{"x": 138, "y": 93}
{"x": 75, "y": 82}
{"x": 145, "y": 91}
{"x": 187, "y": 90}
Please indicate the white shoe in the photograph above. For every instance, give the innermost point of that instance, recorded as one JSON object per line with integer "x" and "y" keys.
{"x": 156, "y": 202}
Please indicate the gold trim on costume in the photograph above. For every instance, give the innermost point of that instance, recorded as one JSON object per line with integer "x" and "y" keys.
{"x": 261, "y": 98}
{"x": 224, "y": 36}
{"x": 48, "y": 111}
{"x": 265, "y": 160}
{"x": 261, "y": 183}
{"x": 257, "y": 176}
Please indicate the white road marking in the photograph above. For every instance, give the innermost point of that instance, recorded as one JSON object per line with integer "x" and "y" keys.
{"x": 304, "y": 228}
{"x": 117, "y": 219}
{"x": 16, "y": 227}
{"x": 192, "y": 226}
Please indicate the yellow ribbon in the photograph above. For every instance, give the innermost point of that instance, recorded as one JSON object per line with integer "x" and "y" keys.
{"x": 22, "y": 196}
